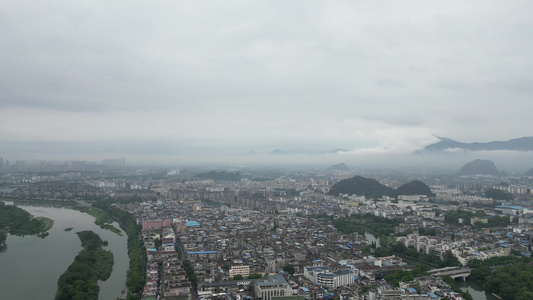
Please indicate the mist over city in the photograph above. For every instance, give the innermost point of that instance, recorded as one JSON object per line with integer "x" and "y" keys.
{"x": 263, "y": 150}
{"x": 191, "y": 83}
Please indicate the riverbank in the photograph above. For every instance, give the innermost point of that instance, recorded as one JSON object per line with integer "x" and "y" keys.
{"x": 41, "y": 201}
{"x": 475, "y": 288}
{"x": 136, "y": 275}
{"x": 101, "y": 218}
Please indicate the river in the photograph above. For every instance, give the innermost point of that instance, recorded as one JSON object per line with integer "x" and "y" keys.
{"x": 371, "y": 238}
{"x": 475, "y": 289}
{"x": 31, "y": 266}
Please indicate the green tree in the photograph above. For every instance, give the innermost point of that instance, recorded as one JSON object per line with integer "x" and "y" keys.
{"x": 289, "y": 269}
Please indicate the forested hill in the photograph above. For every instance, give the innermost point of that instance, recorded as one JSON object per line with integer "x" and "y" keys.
{"x": 360, "y": 186}
{"x": 414, "y": 187}
{"x": 369, "y": 187}
{"x": 479, "y": 166}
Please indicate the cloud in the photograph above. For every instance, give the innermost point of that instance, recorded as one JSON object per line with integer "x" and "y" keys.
{"x": 232, "y": 75}
{"x": 398, "y": 140}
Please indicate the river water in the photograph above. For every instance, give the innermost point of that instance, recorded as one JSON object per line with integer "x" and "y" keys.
{"x": 371, "y": 238}
{"x": 475, "y": 289}
{"x": 31, "y": 266}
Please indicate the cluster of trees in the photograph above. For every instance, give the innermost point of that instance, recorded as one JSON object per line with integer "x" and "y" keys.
{"x": 448, "y": 261}
{"x": 16, "y": 221}
{"x": 421, "y": 231}
{"x": 483, "y": 268}
{"x": 189, "y": 270}
{"x": 136, "y": 275}
{"x": 453, "y": 217}
{"x": 102, "y": 218}
{"x": 497, "y": 194}
{"x": 427, "y": 231}
{"x": 361, "y": 223}
{"x": 395, "y": 278}
{"x": 507, "y": 276}
{"x": 289, "y": 269}
{"x": 385, "y": 227}
{"x": 92, "y": 263}
{"x": 494, "y": 221}
{"x": 511, "y": 282}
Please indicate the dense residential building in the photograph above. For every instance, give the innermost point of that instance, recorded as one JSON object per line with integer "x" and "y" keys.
{"x": 274, "y": 285}
{"x": 239, "y": 270}
{"x": 257, "y": 228}
{"x": 330, "y": 280}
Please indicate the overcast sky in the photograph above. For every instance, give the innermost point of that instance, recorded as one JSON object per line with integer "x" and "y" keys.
{"x": 229, "y": 77}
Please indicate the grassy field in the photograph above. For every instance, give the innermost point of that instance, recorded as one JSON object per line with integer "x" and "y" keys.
{"x": 48, "y": 223}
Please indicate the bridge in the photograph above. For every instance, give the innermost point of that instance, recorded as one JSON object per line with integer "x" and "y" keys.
{"x": 453, "y": 272}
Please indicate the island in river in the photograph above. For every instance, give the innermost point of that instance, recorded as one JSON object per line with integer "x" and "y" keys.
{"x": 42, "y": 261}
{"x": 92, "y": 263}
{"x": 17, "y": 221}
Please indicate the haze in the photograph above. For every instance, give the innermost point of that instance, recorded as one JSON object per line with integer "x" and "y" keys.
{"x": 230, "y": 81}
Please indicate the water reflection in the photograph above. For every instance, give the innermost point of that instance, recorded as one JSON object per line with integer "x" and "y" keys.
{"x": 475, "y": 289}
{"x": 371, "y": 238}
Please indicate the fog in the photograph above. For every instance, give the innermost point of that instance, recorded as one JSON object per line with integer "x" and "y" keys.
{"x": 184, "y": 82}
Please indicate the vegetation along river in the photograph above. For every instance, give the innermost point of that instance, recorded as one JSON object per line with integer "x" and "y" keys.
{"x": 475, "y": 289}
{"x": 31, "y": 265}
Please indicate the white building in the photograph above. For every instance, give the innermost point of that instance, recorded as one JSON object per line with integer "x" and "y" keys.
{"x": 331, "y": 280}
{"x": 239, "y": 270}
{"x": 273, "y": 286}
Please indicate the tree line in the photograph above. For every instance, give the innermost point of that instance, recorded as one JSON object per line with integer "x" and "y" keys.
{"x": 507, "y": 276}
{"x": 136, "y": 275}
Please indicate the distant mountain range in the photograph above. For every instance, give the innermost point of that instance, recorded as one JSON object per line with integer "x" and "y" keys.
{"x": 310, "y": 152}
{"x": 519, "y": 144}
{"x": 277, "y": 152}
{"x": 444, "y": 144}
{"x": 369, "y": 187}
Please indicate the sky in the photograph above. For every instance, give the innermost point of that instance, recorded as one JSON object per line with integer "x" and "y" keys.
{"x": 201, "y": 80}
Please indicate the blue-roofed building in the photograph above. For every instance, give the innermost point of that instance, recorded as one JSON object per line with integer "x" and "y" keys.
{"x": 305, "y": 292}
{"x": 510, "y": 210}
{"x": 192, "y": 223}
{"x": 195, "y": 255}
